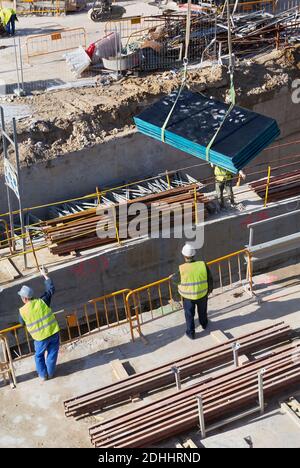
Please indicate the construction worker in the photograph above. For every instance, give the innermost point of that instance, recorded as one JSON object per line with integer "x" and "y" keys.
{"x": 195, "y": 282}
{"x": 8, "y": 17}
{"x": 223, "y": 180}
{"x": 42, "y": 325}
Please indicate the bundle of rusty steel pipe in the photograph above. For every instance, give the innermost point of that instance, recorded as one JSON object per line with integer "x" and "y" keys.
{"x": 282, "y": 186}
{"x": 79, "y": 230}
{"x": 162, "y": 376}
{"x": 224, "y": 395}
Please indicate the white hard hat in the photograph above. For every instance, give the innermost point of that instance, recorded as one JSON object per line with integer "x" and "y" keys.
{"x": 188, "y": 251}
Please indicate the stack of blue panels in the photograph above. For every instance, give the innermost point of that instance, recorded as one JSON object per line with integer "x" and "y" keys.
{"x": 195, "y": 121}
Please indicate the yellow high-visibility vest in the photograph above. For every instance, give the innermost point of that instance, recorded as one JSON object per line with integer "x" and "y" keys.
{"x": 222, "y": 175}
{"x": 193, "y": 280}
{"x": 5, "y": 15}
{"x": 39, "y": 319}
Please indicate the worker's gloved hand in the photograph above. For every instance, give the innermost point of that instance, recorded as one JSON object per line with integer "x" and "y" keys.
{"x": 242, "y": 174}
{"x": 44, "y": 272}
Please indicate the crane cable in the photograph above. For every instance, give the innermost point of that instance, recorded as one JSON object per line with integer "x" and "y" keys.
{"x": 185, "y": 64}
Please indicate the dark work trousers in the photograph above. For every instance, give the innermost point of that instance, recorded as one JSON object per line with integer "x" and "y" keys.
{"x": 189, "y": 311}
{"x": 220, "y": 186}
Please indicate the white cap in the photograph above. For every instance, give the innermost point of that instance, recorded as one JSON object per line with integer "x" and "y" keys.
{"x": 188, "y": 251}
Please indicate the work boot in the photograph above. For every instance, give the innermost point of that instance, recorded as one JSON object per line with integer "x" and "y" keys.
{"x": 191, "y": 336}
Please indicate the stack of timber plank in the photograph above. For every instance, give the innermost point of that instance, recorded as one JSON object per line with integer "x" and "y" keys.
{"x": 159, "y": 377}
{"x": 227, "y": 394}
{"x": 282, "y": 186}
{"x": 78, "y": 231}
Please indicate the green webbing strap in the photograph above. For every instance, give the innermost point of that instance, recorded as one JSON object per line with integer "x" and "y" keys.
{"x": 163, "y": 128}
{"x": 232, "y": 100}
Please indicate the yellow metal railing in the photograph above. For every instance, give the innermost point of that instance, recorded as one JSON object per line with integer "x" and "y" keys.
{"x": 8, "y": 239}
{"x": 96, "y": 315}
{"x": 232, "y": 271}
{"x": 6, "y": 364}
{"x": 61, "y": 40}
{"x": 134, "y": 307}
{"x": 150, "y": 302}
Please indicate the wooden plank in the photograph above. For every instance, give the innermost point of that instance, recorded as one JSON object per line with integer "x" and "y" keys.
{"x": 290, "y": 410}
{"x": 219, "y": 336}
{"x": 11, "y": 268}
{"x": 189, "y": 443}
{"x": 119, "y": 370}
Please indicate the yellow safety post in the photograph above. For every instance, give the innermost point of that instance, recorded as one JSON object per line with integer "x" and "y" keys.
{"x": 267, "y": 186}
{"x": 33, "y": 251}
{"x": 98, "y": 195}
{"x": 116, "y": 225}
{"x": 168, "y": 180}
{"x": 196, "y": 205}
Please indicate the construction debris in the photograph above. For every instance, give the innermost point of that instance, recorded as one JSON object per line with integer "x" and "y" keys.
{"x": 161, "y": 40}
{"x": 292, "y": 408}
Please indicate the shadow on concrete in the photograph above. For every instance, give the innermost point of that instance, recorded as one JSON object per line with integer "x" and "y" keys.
{"x": 264, "y": 311}
{"x": 25, "y": 377}
{"x": 288, "y": 282}
{"x": 39, "y": 85}
{"x": 32, "y": 31}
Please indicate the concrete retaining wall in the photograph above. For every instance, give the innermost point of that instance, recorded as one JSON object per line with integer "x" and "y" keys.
{"x": 137, "y": 156}
{"x": 144, "y": 261}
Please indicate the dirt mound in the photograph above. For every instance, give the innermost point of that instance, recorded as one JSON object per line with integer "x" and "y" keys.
{"x": 70, "y": 120}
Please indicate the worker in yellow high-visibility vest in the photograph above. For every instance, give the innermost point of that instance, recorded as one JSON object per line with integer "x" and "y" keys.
{"x": 42, "y": 325}
{"x": 8, "y": 17}
{"x": 195, "y": 282}
{"x": 223, "y": 180}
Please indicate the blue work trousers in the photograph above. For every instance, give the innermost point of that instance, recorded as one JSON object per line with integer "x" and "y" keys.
{"x": 10, "y": 26}
{"x": 45, "y": 366}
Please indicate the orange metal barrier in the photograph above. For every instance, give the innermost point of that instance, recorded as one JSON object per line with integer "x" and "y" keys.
{"x": 34, "y": 7}
{"x": 8, "y": 240}
{"x": 7, "y": 371}
{"x": 254, "y": 5}
{"x": 156, "y": 300}
{"x": 57, "y": 41}
{"x": 96, "y": 315}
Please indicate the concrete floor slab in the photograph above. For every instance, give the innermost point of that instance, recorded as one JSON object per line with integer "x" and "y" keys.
{"x": 32, "y": 414}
